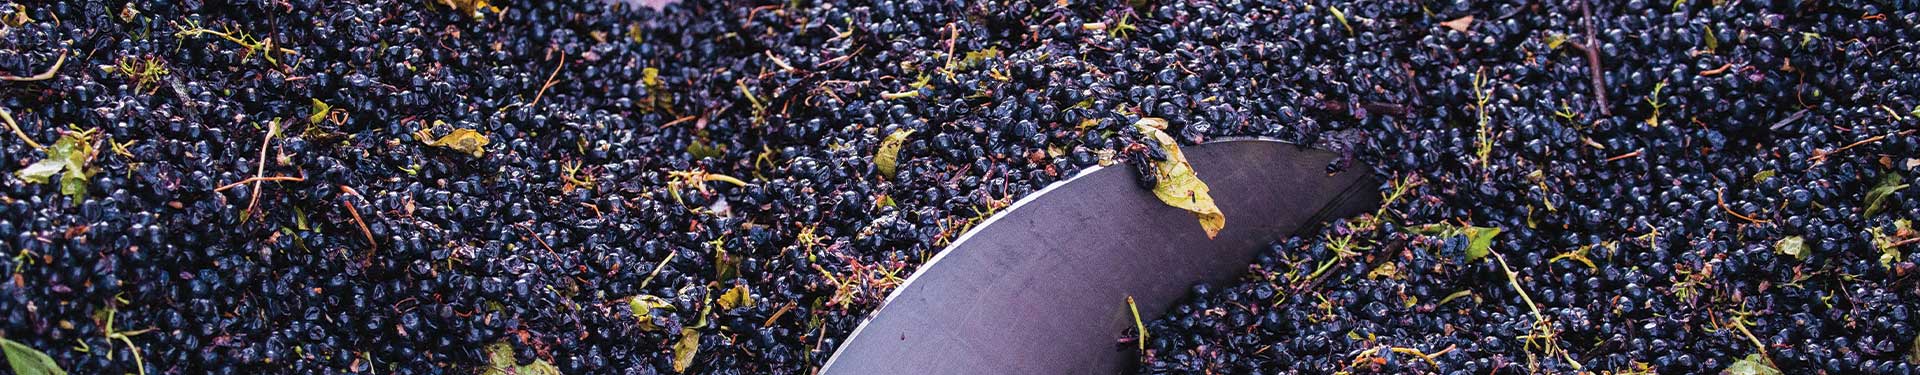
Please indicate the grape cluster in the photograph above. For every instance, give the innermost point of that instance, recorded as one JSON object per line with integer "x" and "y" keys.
{"x": 1662, "y": 187}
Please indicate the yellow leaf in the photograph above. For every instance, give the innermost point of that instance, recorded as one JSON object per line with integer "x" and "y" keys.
{"x": 1178, "y": 185}
{"x": 889, "y": 154}
{"x": 684, "y": 350}
{"x": 643, "y": 306}
{"x": 739, "y": 296}
{"x": 464, "y": 140}
{"x": 320, "y": 110}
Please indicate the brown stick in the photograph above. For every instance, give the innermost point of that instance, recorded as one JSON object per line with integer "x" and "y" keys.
{"x": 1593, "y": 59}
{"x": 543, "y": 87}
{"x": 1720, "y": 196}
{"x": 356, "y": 218}
{"x": 1635, "y": 153}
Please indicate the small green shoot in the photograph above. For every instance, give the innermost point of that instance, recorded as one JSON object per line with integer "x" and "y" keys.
{"x": 1654, "y": 101}
{"x": 1342, "y": 16}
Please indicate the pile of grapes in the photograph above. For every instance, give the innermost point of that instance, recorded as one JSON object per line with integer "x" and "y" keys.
{"x": 579, "y": 187}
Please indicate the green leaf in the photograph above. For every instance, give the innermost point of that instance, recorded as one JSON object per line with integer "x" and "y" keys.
{"x": 320, "y": 110}
{"x": 701, "y": 150}
{"x": 973, "y": 59}
{"x": 1752, "y": 365}
{"x": 1342, "y": 16}
{"x": 1713, "y": 42}
{"x": 40, "y": 171}
{"x": 1762, "y": 176}
{"x": 737, "y": 297}
{"x": 1479, "y": 241}
{"x": 1913, "y": 352}
{"x": 643, "y": 306}
{"x": 684, "y": 349}
{"x": 1876, "y": 198}
{"x": 1795, "y": 246}
{"x": 1179, "y": 185}
{"x": 888, "y": 158}
{"x": 26, "y": 360}
{"x": 1889, "y": 253}
{"x": 69, "y": 155}
{"x": 500, "y": 362}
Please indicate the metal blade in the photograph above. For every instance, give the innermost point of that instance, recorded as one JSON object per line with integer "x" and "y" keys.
{"x": 1042, "y": 287}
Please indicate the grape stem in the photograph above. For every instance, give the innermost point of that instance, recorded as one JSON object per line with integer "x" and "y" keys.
{"x": 57, "y": 62}
{"x": 8, "y": 116}
{"x": 549, "y": 84}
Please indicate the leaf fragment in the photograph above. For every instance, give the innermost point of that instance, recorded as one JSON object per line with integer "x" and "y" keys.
{"x": 470, "y": 7}
{"x": 1752, "y": 365}
{"x": 40, "y": 171}
{"x": 739, "y": 296}
{"x": 1795, "y": 246}
{"x": 69, "y": 155}
{"x": 463, "y": 140}
{"x": 500, "y": 362}
{"x": 1177, "y": 184}
{"x": 26, "y": 360}
{"x": 320, "y": 111}
{"x": 643, "y": 307}
{"x": 1479, "y": 241}
{"x": 1877, "y": 198}
{"x": 685, "y": 349}
{"x": 1459, "y": 24}
{"x": 889, "y": 156}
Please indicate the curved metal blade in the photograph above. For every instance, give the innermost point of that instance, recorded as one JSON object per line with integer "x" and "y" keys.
{"x": 1042, "y": 287}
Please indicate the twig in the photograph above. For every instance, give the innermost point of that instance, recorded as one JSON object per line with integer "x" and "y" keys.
{"x": 1789, "y": 120}
{"x": 776, "y": 315}
{"x": 1720, "y": 196}
{"x": 536, "y": 238}
{"x": 1593, "y": 59}
{"x": 57, "y": 62}
{"x": 678, "y": 121}
{"x": 1819, "y": 157}
{"x": 1742, "y": 326}
{"x": 657, "y": 268}
{"x": 1716, "y": 71}
{"x": 543, "y": 87}
{"x": 260, "y": 169}
{"x": 356, "y": 218}
{"x": 1540, "y": 319}
{"x": 258, "y": 179}
{"x": 1635, "y": 153}
{"x": 8, "y": 115}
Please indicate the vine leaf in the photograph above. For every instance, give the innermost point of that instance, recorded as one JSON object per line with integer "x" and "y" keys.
{"x": 1752, "y": 365}
{"x": 500, "y": 362}
{"x": 1795, "y": 246}
{"x": 685, "y": 349}
{"x": 889, "y": 157}
{"x": 1479, "y": 241}
{"x": 70, "y": 154}
{"x": 1877, "y": 198}
{"x": 463, "y": 140}
{"x": 737, "y": 297}
{"x": 26, "y": 360}
{"x": 1177, "y": 184}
